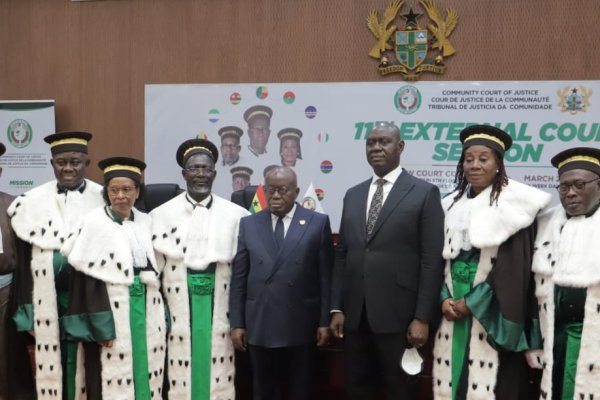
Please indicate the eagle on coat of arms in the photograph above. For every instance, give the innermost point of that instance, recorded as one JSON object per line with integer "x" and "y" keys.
{"x": 406, "y": 51}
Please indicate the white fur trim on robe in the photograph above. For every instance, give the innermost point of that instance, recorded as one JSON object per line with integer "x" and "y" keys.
{"x": 46, "y": 326}
{"x": 42, "y": 218}
{"x": 218, "y": 243}
{"x": 483, "y": 359}
{"x": 474, "y": 223}
{"x": 566, "y": 254}
{"x": 174, "y": 237}
{"x": 100, "y": 249}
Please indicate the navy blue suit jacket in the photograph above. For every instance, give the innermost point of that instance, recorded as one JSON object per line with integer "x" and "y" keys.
{"x": 282, "y": 297}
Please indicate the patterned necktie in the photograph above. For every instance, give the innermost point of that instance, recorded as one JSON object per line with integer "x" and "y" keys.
{"x": 376, "y": 203}
{"x": 279, "y": 233}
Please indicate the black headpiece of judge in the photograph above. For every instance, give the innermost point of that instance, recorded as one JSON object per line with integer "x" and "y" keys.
{"x": 196, "y": 146}
{"x": 587, "y": 158}
{"x": 62, "y": 142}
{"x": 122, "y": 167}
{"x": 486, "y": 135}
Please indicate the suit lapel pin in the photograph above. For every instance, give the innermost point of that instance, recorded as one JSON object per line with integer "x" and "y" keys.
{"x": 302, "y": 222}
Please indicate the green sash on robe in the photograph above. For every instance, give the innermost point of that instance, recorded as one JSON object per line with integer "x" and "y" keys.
{"x": 201, "y": 286}
{"x": 139, "y": 345}
{"x": 462, "y": 271}
{"x": 98, "y": 325}
{"x": 569, "y": 313}
{"x": 68, "y": 349}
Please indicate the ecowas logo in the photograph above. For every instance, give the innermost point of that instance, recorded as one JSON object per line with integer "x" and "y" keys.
{"x": 407, "y": 99}
{"x": 19, "y": 133}
{"x": 309, "y": 202}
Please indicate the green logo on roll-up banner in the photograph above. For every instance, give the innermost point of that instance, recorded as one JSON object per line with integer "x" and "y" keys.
{"x": 19, "y": 133}
{"x": 407, "y": 99}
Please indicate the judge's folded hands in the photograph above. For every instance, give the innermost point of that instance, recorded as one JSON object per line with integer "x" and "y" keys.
{"x": 455, "y": 310}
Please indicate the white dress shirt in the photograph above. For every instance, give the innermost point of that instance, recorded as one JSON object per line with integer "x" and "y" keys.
{"x": 390, "y": 179}
{"x": 287, "y": 220}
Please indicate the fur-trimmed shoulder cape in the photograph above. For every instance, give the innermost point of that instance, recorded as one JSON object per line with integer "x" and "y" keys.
{"x": 43, "y": 218}
{"x": 566, "y": 254}
{"x": 476, "y": 223}
{"x": 200, "y": 244}
{"x": 100, "y": 249}
{"x": 188, "y": 237}
{"x": 473, "y": 222}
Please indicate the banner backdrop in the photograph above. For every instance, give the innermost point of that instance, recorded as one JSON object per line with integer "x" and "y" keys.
{"x": 334, "y": 119}
{"x": 26, "y": 163}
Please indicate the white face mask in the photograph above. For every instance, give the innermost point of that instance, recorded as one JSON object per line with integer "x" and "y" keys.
{"x": 411, "y": 362}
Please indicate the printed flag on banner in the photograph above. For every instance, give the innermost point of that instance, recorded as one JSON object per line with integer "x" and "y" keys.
{"x": 311, "y": 201}
{"x": 259, "y": 202}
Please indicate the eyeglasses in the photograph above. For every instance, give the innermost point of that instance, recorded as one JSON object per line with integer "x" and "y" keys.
{"x": 200, "y": 170}
{"x": 282, "y": 190}
{"x": 578, "y": 186}
{"x": 127, "y": 190}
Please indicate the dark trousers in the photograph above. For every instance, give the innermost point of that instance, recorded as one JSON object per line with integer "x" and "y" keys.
{"x": 372, "y": 364}
{"x": 93, "y": 371}
{"x": 283, "y": 372}
{"x": 512, "y": 376}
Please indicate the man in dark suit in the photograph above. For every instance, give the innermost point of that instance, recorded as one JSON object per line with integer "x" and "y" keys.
{"x": 388, "y": 270}
{"x": 280, "y": 290}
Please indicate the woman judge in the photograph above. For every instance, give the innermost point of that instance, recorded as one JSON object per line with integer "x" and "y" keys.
{"x": 116, "y": 305}
{"x": 289, "y": 146}
{"x": 567, "y": 275}
{"x": 487, "y": 291}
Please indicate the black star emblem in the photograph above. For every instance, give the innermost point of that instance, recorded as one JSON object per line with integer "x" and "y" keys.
{"x": 411, "y": 19}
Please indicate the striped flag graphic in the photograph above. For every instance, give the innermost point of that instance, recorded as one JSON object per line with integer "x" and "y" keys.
{"x": 259, "y": 202}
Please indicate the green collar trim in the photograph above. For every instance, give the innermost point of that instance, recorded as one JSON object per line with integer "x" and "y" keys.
{"x": 112, "y": 214}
